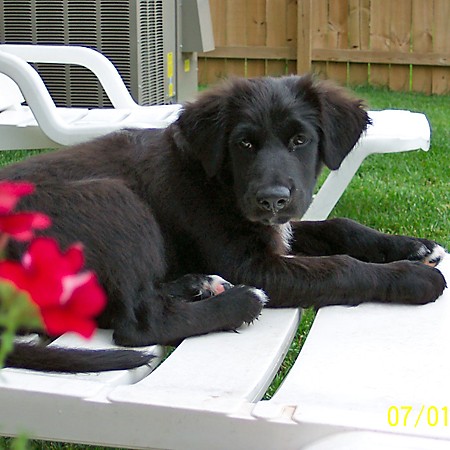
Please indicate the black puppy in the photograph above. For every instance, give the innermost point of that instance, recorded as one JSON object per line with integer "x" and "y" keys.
{"x": 221, "y": 191}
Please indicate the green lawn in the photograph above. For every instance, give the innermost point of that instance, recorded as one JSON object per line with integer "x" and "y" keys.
{"x": 406, "y": 193}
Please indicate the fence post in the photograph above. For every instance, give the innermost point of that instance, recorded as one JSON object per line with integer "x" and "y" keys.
{"x": 304, "y": 36}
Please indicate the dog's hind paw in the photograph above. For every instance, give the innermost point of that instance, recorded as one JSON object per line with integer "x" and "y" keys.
{"x": 263, "y": 300}
{"x": 240, "y": 305}
{"x": 261, "y": 295}
{"x": 251, "y": 301}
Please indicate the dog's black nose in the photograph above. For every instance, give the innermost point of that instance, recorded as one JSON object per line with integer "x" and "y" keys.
{"x": 273, "y": 199}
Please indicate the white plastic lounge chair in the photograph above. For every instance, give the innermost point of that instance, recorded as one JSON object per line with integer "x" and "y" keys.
{"x": 52, "y": 126}
{"x": 43, "y": 125}
{"x": 357, "y": 363}
{"x": 370, "y": 377}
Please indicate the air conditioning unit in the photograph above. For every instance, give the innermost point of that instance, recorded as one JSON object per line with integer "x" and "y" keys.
{"x": 152, "y": 43}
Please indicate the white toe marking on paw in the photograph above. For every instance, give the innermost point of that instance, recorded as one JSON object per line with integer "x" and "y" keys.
{"x": 436, "y": 255}
{"x": 215, "y": 279}
{"x": 423, "y": 251}
{"x": 262, "y": 297}
{"x": 216, "y": 284}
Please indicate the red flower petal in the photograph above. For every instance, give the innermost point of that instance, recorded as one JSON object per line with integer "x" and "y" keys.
{"x": 59, "y": 321}
{"x": 21, "y": 225}
{"x": 68, "y": 299}
{"x": 13, "y": 271}
{"x": 11, "y": 192}
{"x": 44, "y": 252}
{"x": 74, "y": 257}
{"x": 89, "y": 299}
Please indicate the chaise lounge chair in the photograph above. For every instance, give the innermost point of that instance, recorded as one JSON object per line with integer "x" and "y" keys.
{"x": 369, "y": 377}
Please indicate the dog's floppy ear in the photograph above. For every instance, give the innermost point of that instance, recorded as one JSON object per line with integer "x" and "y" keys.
{"x": 200, "y": 130}
{"x": 342, "y": 119}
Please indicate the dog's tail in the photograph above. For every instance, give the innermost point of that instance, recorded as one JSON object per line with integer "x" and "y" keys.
{"x": 69, "y": 360}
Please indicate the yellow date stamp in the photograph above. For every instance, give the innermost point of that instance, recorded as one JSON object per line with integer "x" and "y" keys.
{"x": 413, "y": 416}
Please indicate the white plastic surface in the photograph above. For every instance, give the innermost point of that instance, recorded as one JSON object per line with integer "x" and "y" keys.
{"x": 376, "y": 441}
{"x": 217, "y": 373}
{"x": 220, "y": 365}
{"x": 10, "y": 94}
{"x": 358, "y": 362}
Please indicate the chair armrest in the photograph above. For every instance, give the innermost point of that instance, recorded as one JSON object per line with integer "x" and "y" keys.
{"x": 101, "y": 66}
{"x": 33, "y": 89}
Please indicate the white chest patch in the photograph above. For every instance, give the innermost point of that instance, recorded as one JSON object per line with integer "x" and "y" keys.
{"x": 286, "y": 236}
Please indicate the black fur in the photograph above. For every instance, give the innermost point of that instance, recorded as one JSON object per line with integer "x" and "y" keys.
{"x": 215, "y": 193}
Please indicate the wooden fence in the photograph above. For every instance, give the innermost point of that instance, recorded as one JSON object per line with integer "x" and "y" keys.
{"x": 401, "y": 44}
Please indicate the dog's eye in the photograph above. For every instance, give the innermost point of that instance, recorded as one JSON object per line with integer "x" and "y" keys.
{"x": 246, "y": 144}
{"x": 298, "y": 140}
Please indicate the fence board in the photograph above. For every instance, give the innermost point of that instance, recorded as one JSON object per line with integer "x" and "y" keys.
{"x": 291, "y": 22}
{"x": 256, "y": 34}
{"x": 422, "y": 41}
{"x": 319, "y": 32}
{"x": 379, "y": 40}
{"x": 441, "y": 43}
{"x": 304, "y": 40}
{"x": 358, "y": 38}
{"x": 210, "y": 71}
{"x": 338, "y": 37}
{"x": 236, "y": 33}
{"x": 276, "y": 33}
{"x": 400, "y": 40}
{"x": 292, "y": 19}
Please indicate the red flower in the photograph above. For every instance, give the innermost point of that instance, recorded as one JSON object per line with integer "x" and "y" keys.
{"x": 68, "y": 300}
{"x": 11, "y": 192}
{"x": 20, "y": 225}
{"x": 86, "y": 301}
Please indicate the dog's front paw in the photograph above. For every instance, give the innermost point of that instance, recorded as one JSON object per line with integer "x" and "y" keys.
{"x": 429, "y": 252}
{"x": 397, "y": 248}
{"x": 414, "y": 283}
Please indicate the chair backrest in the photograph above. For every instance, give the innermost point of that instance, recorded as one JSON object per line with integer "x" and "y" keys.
{"x": 10, "y": 94}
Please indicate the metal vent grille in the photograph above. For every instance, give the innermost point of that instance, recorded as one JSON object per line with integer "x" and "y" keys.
{"x": 151, "y": 52}
{"x": 106, "y": 25}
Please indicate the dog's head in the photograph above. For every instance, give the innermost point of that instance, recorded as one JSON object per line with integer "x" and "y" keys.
{"x": 268, "y": 139}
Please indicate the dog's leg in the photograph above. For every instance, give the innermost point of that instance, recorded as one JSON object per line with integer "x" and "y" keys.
{"x": 340, "y": 279}
{"x": 167, "y": 320}
{"x": 347, "y": 237}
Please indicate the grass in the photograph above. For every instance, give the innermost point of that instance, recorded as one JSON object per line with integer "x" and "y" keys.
{"x": 403, "y": 193}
